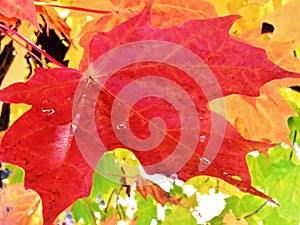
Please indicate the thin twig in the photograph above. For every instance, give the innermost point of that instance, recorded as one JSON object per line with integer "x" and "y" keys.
{"x": 91, "y": 211}
{"x": 5, "y": 29}
{"x": 256, "y": 211}
{"x": 74, "y": 8}
{"x": 122, "y": 209}
{"x": 24, "y": 47}
{"x": 108, "y": 202}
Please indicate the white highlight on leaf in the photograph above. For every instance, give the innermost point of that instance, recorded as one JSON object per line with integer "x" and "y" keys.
{"x": 189, "y": 189}
{"x": 284, "y": 145}
{"x": 153, "y": 222}
{"x": 97, "y": 214}
{"x": 254, "y": 154}
{"x": 130, "y": 203}
{"x": 30, "y": 212}
{"x": 297, "y": 149}
{"x": 89, "y": 18}
{"x": 209, "y": 206}
{"x": 63, "y": 13}
{"x": 160, "y": 212}
{"x": 272, "y": 204}
{"x": 160, "y": 179}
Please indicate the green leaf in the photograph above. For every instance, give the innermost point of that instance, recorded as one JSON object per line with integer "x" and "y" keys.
{"x": 105, "y": 185}
{"x": 147, "y": 209}
{"x": 259, "y": 169}
{"x": 189, "y": 202}
{"x": 278, "y": 153}
{"x": 294, "y": 125}
{"x": 204, "y": 183}
{"x": 244, "y": 206}
{"x": 180, "y": 215}
{"x": 292, "y": 97}
{"x": 270, "y": 217}
{"x": 17, "y": 175}
{"x": 283, "y": 184}
{"x": 80, "y": 209}
{"x": 128, "y": 162}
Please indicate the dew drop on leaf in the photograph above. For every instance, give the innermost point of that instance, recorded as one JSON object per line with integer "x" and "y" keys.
{"x": 202, "y": 138}
{"x": 49, "y": 111}
{"x": 121, "y": 126}
{"x": 205, "y": 160}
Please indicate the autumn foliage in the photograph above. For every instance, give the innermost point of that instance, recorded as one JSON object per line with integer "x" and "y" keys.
{"x": 250, "y": 67}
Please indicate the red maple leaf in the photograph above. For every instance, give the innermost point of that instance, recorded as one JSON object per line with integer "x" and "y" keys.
{"x": 42, "y": 141}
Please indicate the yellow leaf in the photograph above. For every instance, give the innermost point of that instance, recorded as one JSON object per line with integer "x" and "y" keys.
{"x": 174, "y": 13}
{"x": 230, "y": 219}
{"x": 19, "y": 206}
{"x": 261, "y": 118}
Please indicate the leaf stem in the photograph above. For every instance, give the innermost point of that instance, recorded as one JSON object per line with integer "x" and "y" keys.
{"x": 117, "y": 192}
{"x": 108, "y": 202}
{"x": 24, "y": 47}
{"x": 54, "y": 61}
{"x": 91, "y": 211}
{"x": 257, "y": 210}
{"x": 73, "y": 8}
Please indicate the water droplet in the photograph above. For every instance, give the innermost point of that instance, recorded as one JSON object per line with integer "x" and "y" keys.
{"x": 49, "y": 111}
{"x": 121, "y": 126}
{"x": 205, "y": 160}
{"x": 202, "y": 138}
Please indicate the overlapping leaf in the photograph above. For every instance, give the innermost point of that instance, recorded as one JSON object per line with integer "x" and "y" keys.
{"x": 42, "y": 141}
{"x": 19, "y": 206}
{"x": 145, "y": 187}
{"x": 54, "y": 21}
{"x": 278, "y": 44}
{"x": 163, "y": 13}
{"x": 262, "y": 118}
{"x": 20, "y": 9}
